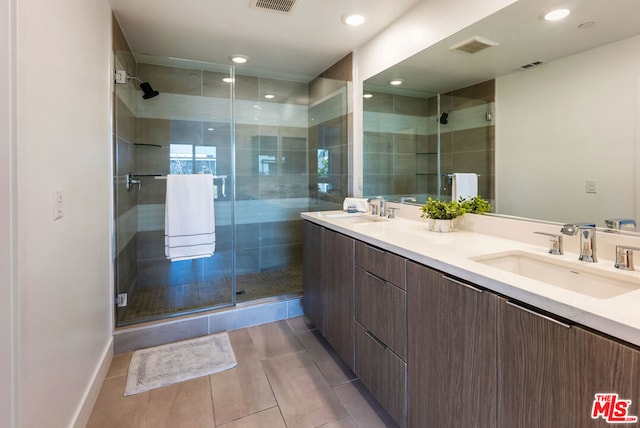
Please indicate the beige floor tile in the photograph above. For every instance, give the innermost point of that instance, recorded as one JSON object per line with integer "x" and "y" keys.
{"x": 365, "y": 410}
{"x": 332, "y": 367}
{"x": 303, "y": 394}
{"x": 112, "y": 409}
{"x": 299, "y": 324}
{"x": 341, "y": 423}
{"x": 270, "y": 418}
{"x": 275, "y": 338}
{"x": 181, "y": 405}
{"x": 119, "y": 364}
{"x": 243, "y": 390}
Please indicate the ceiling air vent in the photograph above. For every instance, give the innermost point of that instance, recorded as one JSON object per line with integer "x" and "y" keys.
{"x": 473, "y": 45}
{"x": 282, "y": 6}
{"x": 531, "y": 64}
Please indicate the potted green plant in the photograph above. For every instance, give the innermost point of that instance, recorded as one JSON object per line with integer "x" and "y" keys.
{"x": 476, "y": 205}
{"x": 440, "y": 214}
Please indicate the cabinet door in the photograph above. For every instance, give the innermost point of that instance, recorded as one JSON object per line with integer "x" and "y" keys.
{"x": 603, "y": 366}
{"x": 313, "y": 299}
{"x": 339, "y": 277}
{"x": 381, "y": 308}
{"x": 382, "y": 372}
{"x": 452, "y": 351}
{"x": 534, "y": 369}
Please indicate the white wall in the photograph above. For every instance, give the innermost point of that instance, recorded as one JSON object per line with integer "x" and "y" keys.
{"x": 8, "y": 336}
{"x": 563, "y": 123}
{"x": 426, "y": 24}
{"x": 63, "y": 266}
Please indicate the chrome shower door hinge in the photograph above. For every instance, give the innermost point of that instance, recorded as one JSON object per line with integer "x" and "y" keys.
{"x": 121, "y": 300}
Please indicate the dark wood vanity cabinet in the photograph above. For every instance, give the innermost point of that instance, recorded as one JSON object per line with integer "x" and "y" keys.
{"x": 549, "y": 371}
{"x": 328, "y": 275}
{"x": 535, "y": 357}
{"x": 452, "y": 351}
{"x": 436, "y": 351}
{"x": 339, "y": 277}
{"x": 380, "y": 327}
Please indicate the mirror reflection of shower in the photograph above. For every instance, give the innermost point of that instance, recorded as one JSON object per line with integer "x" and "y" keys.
{"x": 147, "y": 91}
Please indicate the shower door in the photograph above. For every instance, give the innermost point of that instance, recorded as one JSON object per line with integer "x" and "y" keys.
{"x": 187, "y": 129}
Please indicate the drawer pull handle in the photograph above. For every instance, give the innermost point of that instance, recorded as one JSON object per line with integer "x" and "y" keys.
{"x": 375, "y": 249}
{"x": 471, "y": 287}
{"x": 373, "y": 275}
{"x": 375, "y": 339}
{"x": 560, "y": 323}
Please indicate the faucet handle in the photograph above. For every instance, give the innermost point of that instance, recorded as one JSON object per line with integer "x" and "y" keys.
{"x": 555, "y": 243}
{"x": 618, "y": 223}
{"x": 624, "y": 257}
{"x": 392, "y": 212}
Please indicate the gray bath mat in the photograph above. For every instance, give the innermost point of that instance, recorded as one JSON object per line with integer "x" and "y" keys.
{"x": 176, "y": 362}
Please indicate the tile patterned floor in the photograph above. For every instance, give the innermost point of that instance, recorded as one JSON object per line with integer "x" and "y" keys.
{"x": 287, "y": 376}
{"x": 147, "y": 303}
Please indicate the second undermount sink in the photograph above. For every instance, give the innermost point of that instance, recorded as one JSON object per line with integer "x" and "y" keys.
{"x": 356, "y": 217}
{"x": 586, "y": 280}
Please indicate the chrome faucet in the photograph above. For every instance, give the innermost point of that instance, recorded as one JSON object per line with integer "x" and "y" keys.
{"x": 624, "y": 257}
{"x": 404, "y": 199}
{"x": 380, "y": 209}
{"x": 555, "y": 243}
{"x": 587, "y": 233}
{"x": 620, "y": 223}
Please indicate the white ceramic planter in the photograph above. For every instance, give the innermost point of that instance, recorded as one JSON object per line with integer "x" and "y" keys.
{"x": 437, "y": 225}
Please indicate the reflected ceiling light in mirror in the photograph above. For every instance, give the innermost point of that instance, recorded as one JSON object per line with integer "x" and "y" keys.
{"x": 353, "y": 19}
{"x": 396, "y": 82}
{"x": 227, "y": 80}
{"x": 269, "y": 96}
{"x": 367, "y": 96}
{"x": 557, "y": 14}
{"x": 239, "y": 59}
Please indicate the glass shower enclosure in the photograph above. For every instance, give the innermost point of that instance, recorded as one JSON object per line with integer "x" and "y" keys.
{"x": 274, "y": 148}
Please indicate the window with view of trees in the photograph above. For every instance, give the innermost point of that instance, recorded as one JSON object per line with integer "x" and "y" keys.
{"x": 190, "y": 159}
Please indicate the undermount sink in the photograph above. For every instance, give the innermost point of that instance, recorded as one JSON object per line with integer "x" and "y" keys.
{"x": 356, "y": 217}
{"x": 587, "y": 280}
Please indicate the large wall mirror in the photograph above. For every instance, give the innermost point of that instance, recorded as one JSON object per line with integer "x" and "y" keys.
{"x": 548, "y": 111}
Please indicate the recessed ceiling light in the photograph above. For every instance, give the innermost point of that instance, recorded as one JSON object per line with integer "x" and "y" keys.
{"x": 269, "y": 96}
{"x": 396, "y": 82}
{"x": 353, "y": 19}
{"x": 367, "y": 96}
{"x": 228, "y": 80}
{"x": 239, "y": 59}
{"x": 209, "y": 129}
{"x": 557, "y": 14}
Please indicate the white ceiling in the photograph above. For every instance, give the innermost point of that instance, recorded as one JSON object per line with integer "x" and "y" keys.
{"x": 304, "y": 43}
{"x": 524, "y": 38}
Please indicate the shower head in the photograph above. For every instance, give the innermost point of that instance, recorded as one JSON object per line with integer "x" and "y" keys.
{"x": 148, "y": 91}
{"x": 444, "y": 118}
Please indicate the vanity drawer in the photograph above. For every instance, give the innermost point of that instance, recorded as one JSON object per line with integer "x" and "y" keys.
{"x": 381, "y": 308}
{"x": 382, "y": 372}
{"x": 387, "y": 266}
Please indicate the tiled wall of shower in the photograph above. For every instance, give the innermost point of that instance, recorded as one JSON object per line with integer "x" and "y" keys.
{"x": 400, "y": 141}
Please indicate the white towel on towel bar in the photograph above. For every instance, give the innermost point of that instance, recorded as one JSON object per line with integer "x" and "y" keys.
{"x": 190, "y": 231}
{"x": 465, "y": 185}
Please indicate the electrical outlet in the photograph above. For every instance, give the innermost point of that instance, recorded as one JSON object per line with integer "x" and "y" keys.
{"x": 591, "y": 186}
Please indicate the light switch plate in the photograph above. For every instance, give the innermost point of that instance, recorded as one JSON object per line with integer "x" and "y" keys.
{"x": 58, "y": 203}
{"x": 591, "y": 186}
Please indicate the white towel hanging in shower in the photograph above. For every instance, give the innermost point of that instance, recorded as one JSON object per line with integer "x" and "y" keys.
{"x": 189, "y": 217}
{"x": 465, "y": 185}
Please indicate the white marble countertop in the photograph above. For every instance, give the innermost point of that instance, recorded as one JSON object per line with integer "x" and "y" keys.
{"x": 618, "y": 316}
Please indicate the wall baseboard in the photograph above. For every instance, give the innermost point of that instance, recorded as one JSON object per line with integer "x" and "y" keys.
{"x": 85, "y": 407}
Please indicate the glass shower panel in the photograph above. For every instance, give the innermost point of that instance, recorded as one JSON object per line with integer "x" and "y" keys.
{"x": 400, "y": 156}
{"x": 187, "y": 129}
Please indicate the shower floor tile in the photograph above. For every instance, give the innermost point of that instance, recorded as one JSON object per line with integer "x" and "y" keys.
{"x": 153, "y": 302}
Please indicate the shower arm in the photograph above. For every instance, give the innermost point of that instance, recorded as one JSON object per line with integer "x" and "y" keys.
{"x": 120, "y": 76}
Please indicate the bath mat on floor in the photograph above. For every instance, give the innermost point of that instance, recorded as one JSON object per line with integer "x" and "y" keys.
{"x": 176, "y": 362}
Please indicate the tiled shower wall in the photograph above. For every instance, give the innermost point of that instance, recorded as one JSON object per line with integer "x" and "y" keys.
{"x": 400, "y": 143}
{"x": 467, "y": 141}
